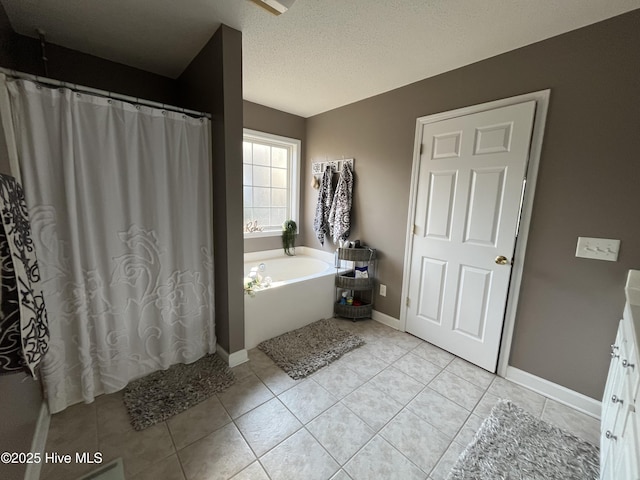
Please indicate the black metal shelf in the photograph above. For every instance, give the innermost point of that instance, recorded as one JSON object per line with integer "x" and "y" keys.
{"x": 360, "y": 289}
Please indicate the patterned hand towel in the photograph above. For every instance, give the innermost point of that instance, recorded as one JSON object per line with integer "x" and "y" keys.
{"x": 325, "y": 199}
{"x": 340, "y": 214}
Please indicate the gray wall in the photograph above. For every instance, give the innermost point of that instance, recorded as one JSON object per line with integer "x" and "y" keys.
{"x": 213, "y": 83}
{"x": 588, "y": 185}
{"x": 20, "y": 402}
{"x": 269, "y": 120}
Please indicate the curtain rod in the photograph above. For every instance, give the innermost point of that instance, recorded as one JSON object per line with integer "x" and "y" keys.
{"x": 96, "y": 91}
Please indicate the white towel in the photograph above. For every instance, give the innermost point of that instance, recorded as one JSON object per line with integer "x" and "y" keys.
{"x": 325, "y": 200}
{"x": 340, "y": 214}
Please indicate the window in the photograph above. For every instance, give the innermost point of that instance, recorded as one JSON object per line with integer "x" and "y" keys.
{"x": 270, "y": 166}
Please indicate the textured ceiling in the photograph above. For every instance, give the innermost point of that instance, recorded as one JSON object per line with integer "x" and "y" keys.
{"x": 320, "y": 54}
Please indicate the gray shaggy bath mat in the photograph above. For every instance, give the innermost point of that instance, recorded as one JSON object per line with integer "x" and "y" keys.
{"x": 513, "y": 444}
{"x": 166, "y": 393}
{"x": 303, "y": 351}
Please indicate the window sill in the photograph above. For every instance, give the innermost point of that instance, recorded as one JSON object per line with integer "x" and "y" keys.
{"x": 274, "y": 233}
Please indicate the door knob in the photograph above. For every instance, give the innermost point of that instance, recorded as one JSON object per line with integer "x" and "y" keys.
{"x": 502, "y": 260}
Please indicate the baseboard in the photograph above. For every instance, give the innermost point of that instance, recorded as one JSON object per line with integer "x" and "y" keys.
{"x": 234, "y": 359}
{"x": 556, "y": 392}
{"x": 39, "y": 442}
{"x": 385, "y": 319}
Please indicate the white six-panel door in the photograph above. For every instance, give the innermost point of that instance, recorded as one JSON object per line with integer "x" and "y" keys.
{"x": 471, "y": 173}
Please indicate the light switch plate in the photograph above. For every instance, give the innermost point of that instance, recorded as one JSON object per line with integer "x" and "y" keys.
{"x": 598, "y": 248}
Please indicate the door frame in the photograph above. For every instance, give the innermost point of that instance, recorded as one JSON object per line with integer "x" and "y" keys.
{"x": 542, "y": 105}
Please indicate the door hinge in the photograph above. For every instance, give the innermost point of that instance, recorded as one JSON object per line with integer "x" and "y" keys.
{"x": 407, "y": 301}
{"x": 415, "y": 229}
{"x": 421, "y": 148}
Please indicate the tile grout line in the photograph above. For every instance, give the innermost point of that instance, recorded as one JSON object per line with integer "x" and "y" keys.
{"x": 468, "y": 381}
{"x": 405, "y": 407}
{"x": 323, "y": 447}
{"x": 204, "y": 436}
{"x": 248, "y": 445}
{"x": 399, "y": 451}
{"x": 303, "y": 426}
{"x": 175, "y": 448}
{"x": 372, "y": 428}
{"x": 283, "y": 440}
{"x": 378, "y": 432}
{"x": 233, "y": 420}
{"x": 452, "y": 400}
{"x": 277, "y": 397}
{"x": 98, "y": 430}
{"x": 544, "y": 407}
{"x": 173, "y": 442}
{"x": 402, "y": 454}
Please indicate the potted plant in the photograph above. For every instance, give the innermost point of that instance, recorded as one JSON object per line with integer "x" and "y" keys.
{"x": 289, "y": 229}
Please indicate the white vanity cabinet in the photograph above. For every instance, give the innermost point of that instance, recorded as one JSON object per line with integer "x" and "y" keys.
{"x": 620, "y": 427}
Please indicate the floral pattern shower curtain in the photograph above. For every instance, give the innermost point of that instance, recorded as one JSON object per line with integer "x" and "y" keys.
{"x": 120, "y": 203}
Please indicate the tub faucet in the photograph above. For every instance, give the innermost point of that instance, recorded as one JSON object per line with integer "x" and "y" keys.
{"x": 262, "y": 267}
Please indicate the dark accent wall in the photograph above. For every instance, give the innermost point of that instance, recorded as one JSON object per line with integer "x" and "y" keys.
{"x": 88, "y": 70}
{"x": 268, "y": 120}
{"x": 6, "y": 34}
{"x": 588, "y": 185}
{"x": 213, "y": 83}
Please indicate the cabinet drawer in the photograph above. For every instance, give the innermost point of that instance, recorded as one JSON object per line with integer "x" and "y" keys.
{"x": 626, "y": 453}
{"x": 632, "y": 373}
{"x": 614, "y": 383}
{"x": 614, "y": 400}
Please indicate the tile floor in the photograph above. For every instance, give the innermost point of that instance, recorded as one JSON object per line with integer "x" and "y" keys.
{"x": 396, "y": 408}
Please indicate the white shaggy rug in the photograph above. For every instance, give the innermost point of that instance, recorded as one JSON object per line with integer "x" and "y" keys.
{"x": 303, "y": 351}
{"x": 512, "y": 444}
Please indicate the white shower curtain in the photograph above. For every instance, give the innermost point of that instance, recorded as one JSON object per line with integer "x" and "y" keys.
{"x": 120, "y": 203}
